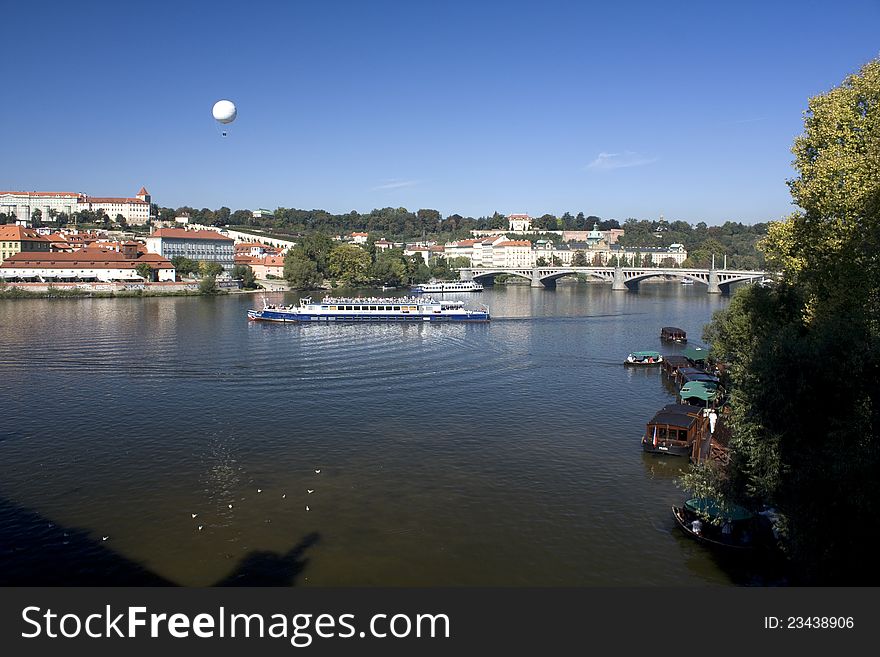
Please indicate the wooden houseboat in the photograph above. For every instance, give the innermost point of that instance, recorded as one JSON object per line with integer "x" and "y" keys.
{"x": 671, "y": 364}
{"x": 689, "y": 374}
{"x": 673, "y": 334}
{"x": 678, "y": 430}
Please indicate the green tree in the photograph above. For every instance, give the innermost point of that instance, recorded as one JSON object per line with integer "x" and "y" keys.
{"x": 184, "y": 265}
{"x": 579, "y": 259}
{"x": 349, "y": 264}
{"x": 246, "y": 275}
{"x": 37, "y": 218}
{"x": 804, "y": 353}
{"x": 316, "y": 247}
{"x": 121, "y": 221}
{"x": 541, "y": 262}
{"x": 210, "y": 269}
{"x": 300, "y": 272}
{"x": 208, "y": 285}
{"x": 144, "y": 271}
{"x": 388, "y": 271}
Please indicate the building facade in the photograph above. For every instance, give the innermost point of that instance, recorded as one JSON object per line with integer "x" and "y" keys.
{"x": 22, "y": 205}
{"x": 85, "y": 265}
{"x": 198, "y": 245}
{"x": 135, "y": 210}
{"x": 18, "y": 239}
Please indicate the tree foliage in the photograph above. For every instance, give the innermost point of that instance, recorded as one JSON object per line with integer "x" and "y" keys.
{"x": 804, "y": 354}
{"x": 246, "y": 275}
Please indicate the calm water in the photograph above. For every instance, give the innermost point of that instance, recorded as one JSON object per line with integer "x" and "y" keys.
{"x": 497, "y": 454}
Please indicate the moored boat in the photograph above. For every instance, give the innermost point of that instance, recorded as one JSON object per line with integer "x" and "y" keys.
{"x": 439, "y": 287}
{"x": 371, "y": 309}
{"x": 675, "y": 430}
{"x": 671, "y": 365}
{"x": 643, "y": 359}
{"x": 732, "y": 527}
{"x": 673, "y": 334}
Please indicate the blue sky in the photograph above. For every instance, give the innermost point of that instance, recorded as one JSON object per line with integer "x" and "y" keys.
{"x": 625, "y": 109}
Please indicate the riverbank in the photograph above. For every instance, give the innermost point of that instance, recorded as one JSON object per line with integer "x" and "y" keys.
{"x": 115, "y": 290}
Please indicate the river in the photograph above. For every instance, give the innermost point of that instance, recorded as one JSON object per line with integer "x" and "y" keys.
{"x": 503, "y": 454}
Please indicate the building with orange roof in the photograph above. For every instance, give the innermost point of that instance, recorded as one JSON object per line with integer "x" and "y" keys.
{"x": 85, "y": 265}
{"x": 18, "y": 239}
{"x": 198, "y": 245}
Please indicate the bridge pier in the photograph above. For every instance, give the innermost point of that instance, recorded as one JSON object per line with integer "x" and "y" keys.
{"x": 619, "y": 282}
{"x": 713, "y": 288}
{"x": 537, "y": 282}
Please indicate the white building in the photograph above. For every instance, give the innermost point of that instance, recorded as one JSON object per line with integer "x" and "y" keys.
{"x": 198, "y": 245}
{"x": 84, "y": 265}
{"x": 519, "y": 222}
{"x": 23, "y": 204}
{"x": 136, "y": 210}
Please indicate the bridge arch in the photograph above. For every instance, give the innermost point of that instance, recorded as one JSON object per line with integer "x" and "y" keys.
{"x": 488, "y": 276}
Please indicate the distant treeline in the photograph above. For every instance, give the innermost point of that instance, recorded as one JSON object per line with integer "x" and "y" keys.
{"x": 736, "y": 240}
{"x": 392, "y": 223}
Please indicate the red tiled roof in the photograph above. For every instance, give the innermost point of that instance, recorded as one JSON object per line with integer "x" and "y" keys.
{"x": 87, "y": 259}
{"x": 515, "y": 243}
{"x": 14, "y": 233}
{"x": 143, "y": 192}
{"x": 518, "y": 216}
{"x": 182, "y": 233}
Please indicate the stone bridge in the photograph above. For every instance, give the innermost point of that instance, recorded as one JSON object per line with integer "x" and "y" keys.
{"x": 621, "y": 278}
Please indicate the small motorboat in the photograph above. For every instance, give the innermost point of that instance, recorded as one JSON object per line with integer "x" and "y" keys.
{"x": 731, "y": 527}
{"x": 644, "y": 359}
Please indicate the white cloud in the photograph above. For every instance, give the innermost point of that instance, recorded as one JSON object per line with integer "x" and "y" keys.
{"x": 396, "y": 184}
{"x": 605, "y": 161}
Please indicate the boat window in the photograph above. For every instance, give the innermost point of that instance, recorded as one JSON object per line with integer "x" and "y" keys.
{"x": 683, "y": 435}
{"x": 396, "y": 307}
{"x": 332, "y": 307}
{"x": 661, "y": 434}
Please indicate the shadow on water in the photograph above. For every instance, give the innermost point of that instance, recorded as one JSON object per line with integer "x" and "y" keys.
{"x": 37, "y": 552}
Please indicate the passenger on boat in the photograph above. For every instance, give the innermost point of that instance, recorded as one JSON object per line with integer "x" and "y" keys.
{"x": 713, "y": 418}
{"x": 697, "y": 527}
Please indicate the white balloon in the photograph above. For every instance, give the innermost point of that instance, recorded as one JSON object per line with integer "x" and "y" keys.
{"x": 224, "y": 111}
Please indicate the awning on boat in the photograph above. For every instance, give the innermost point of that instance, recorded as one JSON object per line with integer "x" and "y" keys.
{"x": 713, "y": 509}
{"x": 677, "y": 415}
{"x": 646, "y": 354}
{"x": 703, "y": 390}
{"x": 696, "y": 353}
